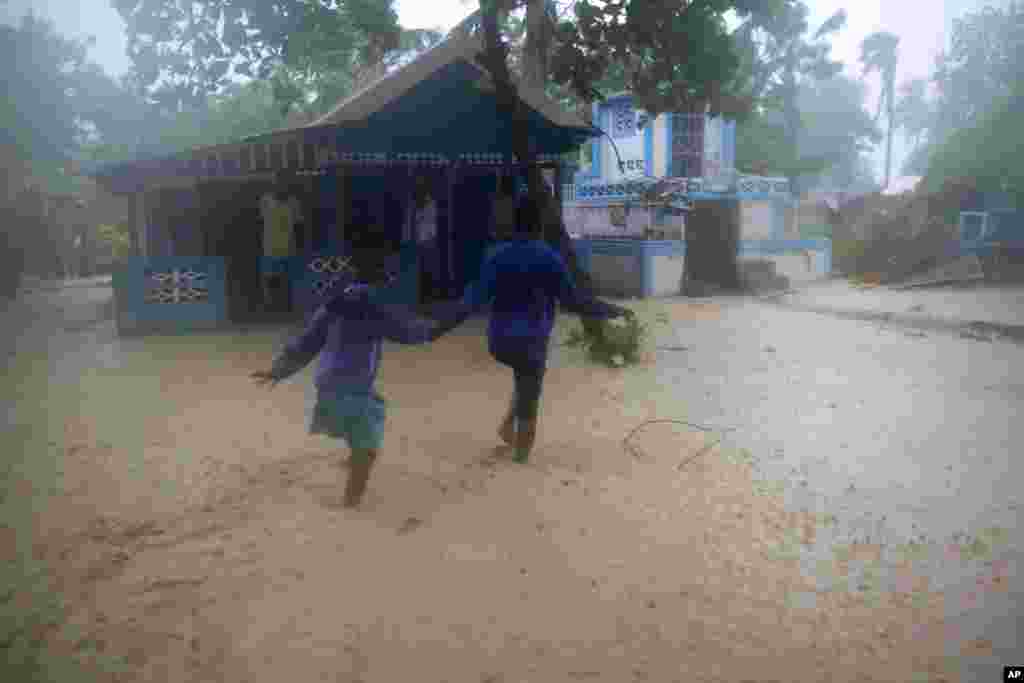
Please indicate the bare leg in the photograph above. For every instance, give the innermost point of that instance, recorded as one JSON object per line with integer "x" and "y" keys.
{"x": 358, "y": 475}
{"x": 507, "y": 430}
{"x": 524, "y": 439}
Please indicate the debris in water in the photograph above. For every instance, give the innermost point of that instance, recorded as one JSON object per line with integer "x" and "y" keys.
{"x": 409, "y": 525}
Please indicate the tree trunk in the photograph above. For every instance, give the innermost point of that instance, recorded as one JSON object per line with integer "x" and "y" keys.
{"x": 536, "y": 47}
{"x": 495, "y": 58}
{"x": 792, "y": 118}
{"x": 712, "y": 246}
{"x": 890, "y": 87}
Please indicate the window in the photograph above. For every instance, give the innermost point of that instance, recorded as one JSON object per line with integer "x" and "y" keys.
{"x": 586, "y": 157}
{"x": 623, "y": 121}
{"x": 687, "y": 145}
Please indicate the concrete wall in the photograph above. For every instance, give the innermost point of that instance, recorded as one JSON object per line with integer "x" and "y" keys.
{"x": 138, "y": 281}
{"x": 640, "y": 268}
{"x": 798, "y": 260}
{"x": 595, "y": 221}
{"x": 757, "y": 220}
{"x": 667, "y": 267}
{"x": 646, "y": 268}
{"x": 616, "y": 274}
{"x": 661, "y": 165}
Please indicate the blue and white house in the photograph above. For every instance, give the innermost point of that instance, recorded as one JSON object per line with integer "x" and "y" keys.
{"x": 635, "y": 250}
{"x": 433, "y": 123}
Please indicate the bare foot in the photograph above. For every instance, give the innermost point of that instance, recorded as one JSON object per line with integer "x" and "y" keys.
{"x": 507, "y": 432}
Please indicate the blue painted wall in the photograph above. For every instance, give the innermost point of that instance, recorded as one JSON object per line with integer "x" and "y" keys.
{"x": 135, "y": 278}
{"x": 645, "y": 250}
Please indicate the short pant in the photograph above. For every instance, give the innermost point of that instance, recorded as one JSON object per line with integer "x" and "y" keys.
{"x": 356, "y": 416}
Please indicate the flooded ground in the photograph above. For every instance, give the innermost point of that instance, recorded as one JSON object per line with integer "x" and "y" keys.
{"x": 165, "y": 520}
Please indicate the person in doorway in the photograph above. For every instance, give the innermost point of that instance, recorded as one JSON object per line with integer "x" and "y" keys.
{"x": 424, "y": 229}
{"x": 503, "y": 227}
{"x": 521, "y": 280}
{"x": 278, "y": 243}
{"x": 347, "y": 333}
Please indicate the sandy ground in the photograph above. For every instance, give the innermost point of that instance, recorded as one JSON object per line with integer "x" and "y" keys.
{"x": 194, "y": 534}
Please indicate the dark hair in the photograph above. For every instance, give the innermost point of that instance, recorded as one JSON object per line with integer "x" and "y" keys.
{"x": 370, "y": 252}
{"x": 529, "y": 217}
{"x": 507, "y": 185}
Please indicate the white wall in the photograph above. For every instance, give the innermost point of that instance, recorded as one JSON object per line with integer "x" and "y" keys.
{"x": 756, "y": 219}
{"x": 660, "y": 147}
{"x": 667, "y": 274}
{"x": 616, "y": 274}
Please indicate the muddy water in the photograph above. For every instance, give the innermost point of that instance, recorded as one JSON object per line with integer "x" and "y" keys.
{"x": 190, "y": 527}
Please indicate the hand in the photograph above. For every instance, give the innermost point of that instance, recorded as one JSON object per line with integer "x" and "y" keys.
{"x": 265, "y": 378}
{"x": 624, "y": 312}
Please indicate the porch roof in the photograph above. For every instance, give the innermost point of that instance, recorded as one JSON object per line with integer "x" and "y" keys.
{"x": 438, "y": 109}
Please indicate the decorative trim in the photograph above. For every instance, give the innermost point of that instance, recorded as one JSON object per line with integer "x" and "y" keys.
{"x": 177, "y": 286}
{"x": 649, "y": 146}
{"x": 668, "y": 146}
{"x": 762, "y": 185}
{"x": 629, "y": 190}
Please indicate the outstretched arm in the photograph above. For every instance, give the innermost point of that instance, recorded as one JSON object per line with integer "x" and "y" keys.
{"x": 448, "y": 315}
{"x": 584, "y": 305}
{"x": 479, "y": 293}
{"x": 298, "y": 353}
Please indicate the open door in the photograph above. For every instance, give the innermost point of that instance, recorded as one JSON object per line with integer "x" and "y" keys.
{"x": 233, "y": 230}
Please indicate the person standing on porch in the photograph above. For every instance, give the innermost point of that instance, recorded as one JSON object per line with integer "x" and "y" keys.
{"x": 504, "y": 223}
{"x": 347, "y": 333}
{"x": 521, "y": 280}
{"x": 278, "y": 242}
{"x": 424, "y": 231}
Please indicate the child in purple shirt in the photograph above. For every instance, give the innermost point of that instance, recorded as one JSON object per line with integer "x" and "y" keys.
{"x": 347, "y": 333}
{"x": 522, "y": 279}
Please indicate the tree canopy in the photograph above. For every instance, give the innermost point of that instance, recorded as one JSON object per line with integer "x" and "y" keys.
{"x": 183, "y": 52}
{"x": 880, "y": 52}
{"x": 37, "y": 116}
{"x": 978, "y": 109}
{"x": 836, "y": 131}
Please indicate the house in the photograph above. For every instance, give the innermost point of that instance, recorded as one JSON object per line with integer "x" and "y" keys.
{"x": 432, "y": 127}
{"x": 634, "y": 248}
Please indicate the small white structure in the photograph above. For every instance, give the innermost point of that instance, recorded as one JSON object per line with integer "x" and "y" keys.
{"x": 635, "y": 249}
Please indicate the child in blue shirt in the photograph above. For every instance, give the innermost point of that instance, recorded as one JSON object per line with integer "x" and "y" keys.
{"x": 521, "y": 279}
{"x": 347, "y": 333}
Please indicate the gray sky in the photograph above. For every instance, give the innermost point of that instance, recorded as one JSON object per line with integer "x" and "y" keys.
{"x": 922, "y": 27}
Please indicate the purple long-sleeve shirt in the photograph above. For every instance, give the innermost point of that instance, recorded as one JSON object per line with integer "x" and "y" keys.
{"x": 348, "y": 335}
{"x": 522, "y": 280}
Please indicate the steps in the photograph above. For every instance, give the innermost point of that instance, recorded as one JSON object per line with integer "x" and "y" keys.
{"x": 759, "y": 275}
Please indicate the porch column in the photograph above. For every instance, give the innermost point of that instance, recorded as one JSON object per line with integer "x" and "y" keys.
{"x": 559, "y": 195}
{"x": 337, "y": 240}
{"x": 446, "y": 234}
{"x": 140, "y": 223}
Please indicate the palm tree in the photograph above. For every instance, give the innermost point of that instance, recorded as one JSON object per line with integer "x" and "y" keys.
{"x": 879, "y": 52}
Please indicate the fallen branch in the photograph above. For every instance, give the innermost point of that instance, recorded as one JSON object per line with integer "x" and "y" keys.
{"x": 632, "y": 451}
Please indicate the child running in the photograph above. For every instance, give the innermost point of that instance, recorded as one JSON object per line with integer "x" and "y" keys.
{"x": 521, "y": 279}
{"x": 349, "y": 330}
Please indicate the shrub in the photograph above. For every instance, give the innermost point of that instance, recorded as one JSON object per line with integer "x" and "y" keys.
{"x": 619, "y": 341}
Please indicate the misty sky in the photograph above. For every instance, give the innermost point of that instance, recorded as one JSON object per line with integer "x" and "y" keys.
{"x": 922, "y": 32}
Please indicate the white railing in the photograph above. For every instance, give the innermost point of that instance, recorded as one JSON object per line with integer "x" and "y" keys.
{"x": 631, "y": 190}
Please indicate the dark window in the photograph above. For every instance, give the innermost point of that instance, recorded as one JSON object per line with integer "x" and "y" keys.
{"x": 259, "y": 157}
{"x": 623, "y": 121}
{"x": 687, "y": 145}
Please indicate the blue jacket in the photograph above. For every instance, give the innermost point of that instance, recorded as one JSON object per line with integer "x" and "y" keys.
{"x": 522, "y": 280}
{"x": 348, "y": 332}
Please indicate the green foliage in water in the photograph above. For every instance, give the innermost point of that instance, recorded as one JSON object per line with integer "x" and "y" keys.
{"x": 616, "y": 343}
